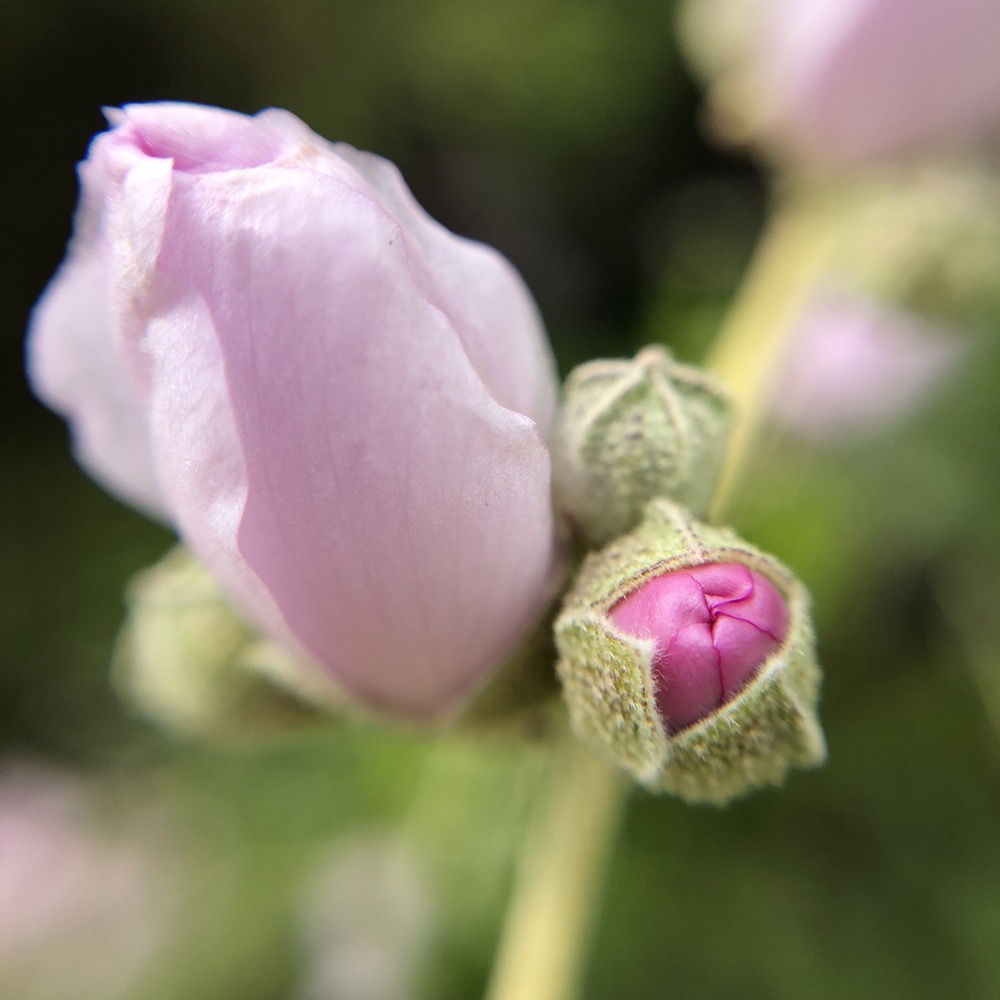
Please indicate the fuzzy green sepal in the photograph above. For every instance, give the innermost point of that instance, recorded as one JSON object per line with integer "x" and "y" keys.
{"x": 632, "y": 430}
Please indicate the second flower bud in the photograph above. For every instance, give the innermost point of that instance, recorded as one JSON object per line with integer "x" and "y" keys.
{"x": 632, "y": 430}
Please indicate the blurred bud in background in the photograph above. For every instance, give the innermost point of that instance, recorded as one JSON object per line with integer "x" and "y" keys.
{"x": 84, "y": 905}
{"x": 908, "y": 291}
{"x": 187, "y": 661}
{"x": 925, "y": 236}
{"x": 832, "y": 84}
{"x": 631, "y": 430}
{"x": 365, "y": 921}
{"x": 852, "y": 367}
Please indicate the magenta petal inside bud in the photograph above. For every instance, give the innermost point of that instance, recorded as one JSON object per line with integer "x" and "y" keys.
{"x": 713, "y": 626}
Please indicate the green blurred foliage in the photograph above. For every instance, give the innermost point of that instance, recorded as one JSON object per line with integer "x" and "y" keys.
{"x": 566, "y": 134}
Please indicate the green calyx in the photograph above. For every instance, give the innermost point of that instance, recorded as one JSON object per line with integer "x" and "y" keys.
{"x": 753, "y": 740}
{"x": 184, "y": 659}
{"x": 632, "y": 430}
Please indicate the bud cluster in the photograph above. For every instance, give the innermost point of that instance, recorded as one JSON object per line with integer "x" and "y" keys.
{"x": 686, "y": 655}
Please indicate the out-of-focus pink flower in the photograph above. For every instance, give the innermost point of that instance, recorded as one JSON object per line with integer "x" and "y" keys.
{"x": 846, "y": 82}
{"x": 80, "y": 912}
{"x": 854, "y": 367}
{"x": 860, "y": 79}
{"x": 340, "y": 405}
{"x": 365, "y": 921}
{"x": 713, "y": 625}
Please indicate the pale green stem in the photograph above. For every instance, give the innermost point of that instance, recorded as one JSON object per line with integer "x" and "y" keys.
{"x": 558, "y": 878}
{"x": 564, "y": 855}
{"x": 965, "y": 593}
{"x": 786, "y": 268}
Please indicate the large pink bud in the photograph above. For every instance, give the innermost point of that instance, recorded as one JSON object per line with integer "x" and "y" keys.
{"x": 713, "y": 626}
{"x": 340, "y": 405}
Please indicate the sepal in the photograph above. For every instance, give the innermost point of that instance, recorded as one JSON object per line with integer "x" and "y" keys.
{"x": 186, "y": 660}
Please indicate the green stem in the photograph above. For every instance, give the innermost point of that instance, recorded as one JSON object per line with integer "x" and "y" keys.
{"x": 965, "y": 592}
{"x": 787, "y": 266}
{"x": 558, "y": 878}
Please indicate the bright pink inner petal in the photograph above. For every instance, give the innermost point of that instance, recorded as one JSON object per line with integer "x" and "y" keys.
{"x": 742, "y": 648}
{"x": 723, "y": 582}
{"x": 713, "y": 626}
{"x": 661, "y": 606}
{"x": 763, "y": 607}
{"x": 688, "y": 679}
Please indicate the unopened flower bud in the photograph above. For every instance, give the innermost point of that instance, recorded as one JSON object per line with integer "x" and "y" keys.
{"x": 629, "y": 431}
{"x": 687, "y": 656}
{"x": 185, "y": 659}
{"x": 340, "y": 406}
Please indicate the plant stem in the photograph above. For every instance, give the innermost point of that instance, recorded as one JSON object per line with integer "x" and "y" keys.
{"x": 786, "y": 267}
{"x": 558, "y": 879}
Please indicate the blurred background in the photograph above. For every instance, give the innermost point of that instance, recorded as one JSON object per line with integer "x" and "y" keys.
{"x": 356, "y": 862}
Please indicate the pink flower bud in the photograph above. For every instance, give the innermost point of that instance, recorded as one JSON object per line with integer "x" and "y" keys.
{"x": 713, "y": 626}
{"x": 341, "y": 406}
{"x": 700, "y": 680}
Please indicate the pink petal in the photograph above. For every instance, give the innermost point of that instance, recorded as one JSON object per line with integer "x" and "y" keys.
{"x": 688, "y": 681}
{"x": 482, "y": 295}
{"x": 763, "y": 607}
{"x": 76, "y": 367}
{"x": 742, "y": 648}
{"x": 396, "y": 516}
{"x": 660, "y": 607}
{"x": 202, "y": 139}
{"x": 723, "y": 582}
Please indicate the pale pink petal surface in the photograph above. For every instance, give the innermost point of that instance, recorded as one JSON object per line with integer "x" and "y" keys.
{"x": 483, "y": 296}
{"x": 76, "y": 367}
